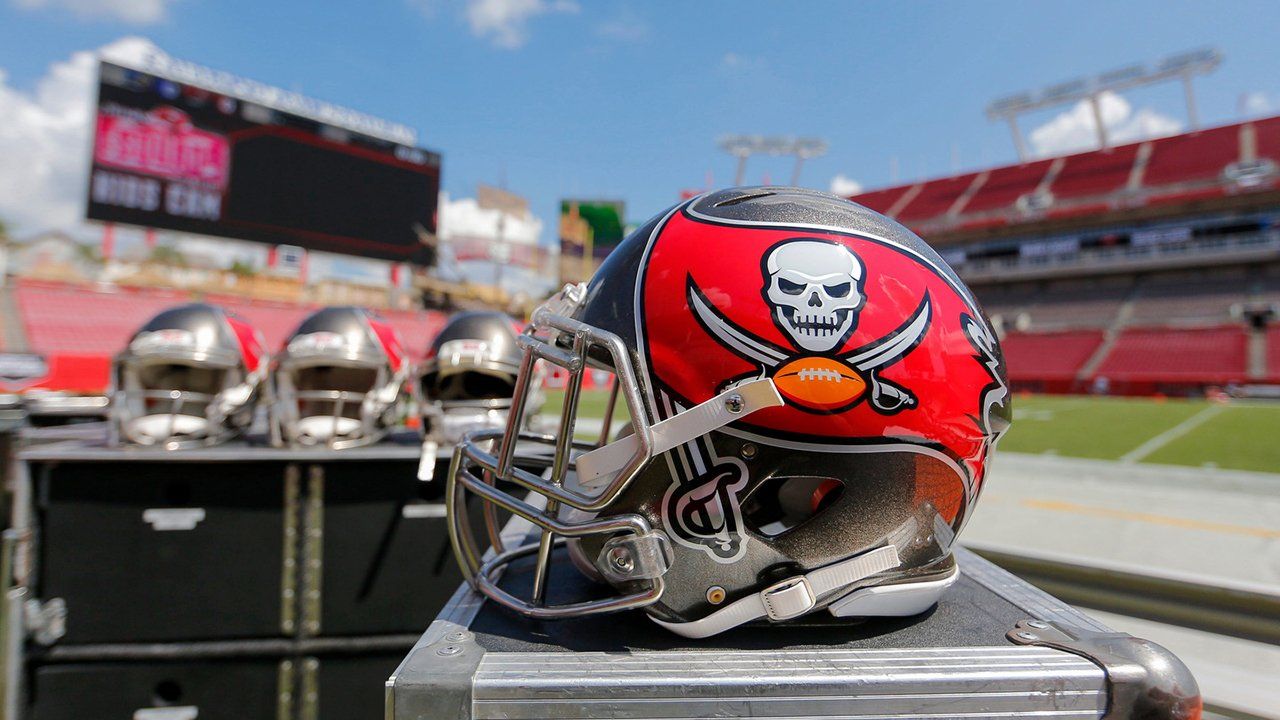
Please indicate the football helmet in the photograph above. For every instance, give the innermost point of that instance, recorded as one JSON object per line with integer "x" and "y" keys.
{"x": 340, "y": 381}
{"x": 811, "y": 399}
{"x": 469, "y": 377}
{"x": 191, "y": 376}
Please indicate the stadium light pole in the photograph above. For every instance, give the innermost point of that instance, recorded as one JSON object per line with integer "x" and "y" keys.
{"x": 743, "y": 147}
{"x": 1182, "y": 67}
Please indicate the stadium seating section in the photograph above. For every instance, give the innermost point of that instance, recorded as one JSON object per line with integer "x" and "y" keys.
{"x": 935, "y": 198}
{"x": 84, "y": 321}
{"x": 1273, "y": 354}
{"x": 1165, "y": 354}
{"x": 1169, "y": 330}
{"x": 1181, "y": 168}
{"x": 1094, "y": 174}
{"x": 1003, "y": 186}
{"x": 1049, "y": 356}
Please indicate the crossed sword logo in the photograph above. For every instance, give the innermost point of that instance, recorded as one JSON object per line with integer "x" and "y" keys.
{"x": 886, "y": 397}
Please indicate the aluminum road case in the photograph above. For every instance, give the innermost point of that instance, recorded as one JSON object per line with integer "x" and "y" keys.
{"x": 994, "y": 647}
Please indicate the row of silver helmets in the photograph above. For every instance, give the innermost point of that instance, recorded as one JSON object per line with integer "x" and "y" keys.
{"x": 195, "y": 376}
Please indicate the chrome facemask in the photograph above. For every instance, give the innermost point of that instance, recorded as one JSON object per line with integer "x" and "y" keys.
{"x": 454, "y": 406}
{"x": 486, "y": 462}
{"x": 336, "y": 417}
{"x": 154, "y": 405}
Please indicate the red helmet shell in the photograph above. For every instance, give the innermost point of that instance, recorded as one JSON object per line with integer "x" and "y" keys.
{"x": 895, "y": 355}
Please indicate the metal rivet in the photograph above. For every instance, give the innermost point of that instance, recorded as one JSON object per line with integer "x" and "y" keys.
{"x": 715, "y": 594}
{"x": 621, "y": 560}
{"x": 1028, "y": 635}
{"x": 1039, "y": 624}
{"x": 734, "y": 403}
{"x": 457, "y": 637}
{"x": 448, "y": 650}
{"x": 749, "y": 450}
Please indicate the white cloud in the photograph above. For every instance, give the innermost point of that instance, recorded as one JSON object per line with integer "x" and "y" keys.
{"x": 136, "y": 12}
{"x": 1257, "y": 103}
{"x": 465, "y": 218}
{"x": 845, "y": 186}
{"x": 505, "y": 22}
{"x": 1076, "y": 130}
{"x": 45, "y": 139}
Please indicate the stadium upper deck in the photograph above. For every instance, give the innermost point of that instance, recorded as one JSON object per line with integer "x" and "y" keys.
{"x": 1232, "y": 166}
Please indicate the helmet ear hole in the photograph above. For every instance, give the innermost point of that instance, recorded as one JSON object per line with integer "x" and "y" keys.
{"x": 781, "y": 504}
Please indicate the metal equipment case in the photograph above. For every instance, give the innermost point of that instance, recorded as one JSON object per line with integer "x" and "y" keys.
{"x": 994, "y": 647}
{"x": 234, "y": 581}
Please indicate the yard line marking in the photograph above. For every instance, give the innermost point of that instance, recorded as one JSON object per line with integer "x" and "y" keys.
{"x": 1171, "y": 434}
{"x": 1179, "y": 522}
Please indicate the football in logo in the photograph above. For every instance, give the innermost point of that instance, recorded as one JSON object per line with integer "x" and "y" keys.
{"x": 819, "y": 383}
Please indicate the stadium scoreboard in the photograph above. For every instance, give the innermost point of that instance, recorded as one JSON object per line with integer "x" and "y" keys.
{"x": 175, "y": 156}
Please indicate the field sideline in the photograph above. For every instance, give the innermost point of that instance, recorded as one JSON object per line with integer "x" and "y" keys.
{"x": 1197, "y": 433}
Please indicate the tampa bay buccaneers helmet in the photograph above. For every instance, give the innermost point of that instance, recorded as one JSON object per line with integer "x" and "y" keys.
{"x": 191, "y": 376}
{"x": 340, "y": 380}
{"x": 469, "y": 376}
{"x": 811, "y": 397}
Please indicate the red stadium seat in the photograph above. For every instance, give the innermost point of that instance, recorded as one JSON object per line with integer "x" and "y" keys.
{"x": 935, "y": 198}
{"x": 1094, "y": 173}
{"x": 60, "y": 318}
{"x": 1210, "y": 355}
{"x": 1197, "y": 156}
{"x": 1179, "y": 169}
{"x": 882, "y": 200}
{"x": 1267, "y": 134}
{"x": 1049, "y": 356}
{"x": 1005, "y": 185}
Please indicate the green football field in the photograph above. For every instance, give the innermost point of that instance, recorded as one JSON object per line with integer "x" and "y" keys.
{"x": 1236, "y": 435}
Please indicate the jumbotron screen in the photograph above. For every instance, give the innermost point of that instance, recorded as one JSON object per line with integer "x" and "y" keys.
{"x": 175, "y": 156}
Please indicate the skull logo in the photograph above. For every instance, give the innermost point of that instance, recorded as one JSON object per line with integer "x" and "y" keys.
{"x": 815, "y": 288}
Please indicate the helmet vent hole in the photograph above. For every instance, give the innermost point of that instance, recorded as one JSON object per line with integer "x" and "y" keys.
{"x": 743, "y": 198}
{"x": 781, "y": 504}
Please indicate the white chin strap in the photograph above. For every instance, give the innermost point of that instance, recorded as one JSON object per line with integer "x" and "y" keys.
{"x": 157, "y": 428}
{"x": 790, "y": 598}
{"x": 326, "y": 427}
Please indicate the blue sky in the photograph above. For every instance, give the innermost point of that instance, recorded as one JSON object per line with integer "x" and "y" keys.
{"x": 625, "y": 99}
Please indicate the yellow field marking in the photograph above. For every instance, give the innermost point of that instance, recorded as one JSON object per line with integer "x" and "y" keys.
{"x": 1185, "y": 523}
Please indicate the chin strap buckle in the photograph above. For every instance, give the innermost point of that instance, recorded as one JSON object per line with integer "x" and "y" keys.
{"x": 788, "y": 599}
{"x": 792, "y": 597}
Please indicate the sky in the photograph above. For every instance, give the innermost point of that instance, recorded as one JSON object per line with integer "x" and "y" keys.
{"x": 625, "y": 100}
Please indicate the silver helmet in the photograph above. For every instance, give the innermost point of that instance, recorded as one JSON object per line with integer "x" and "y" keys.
{"x": 341, "y": 380}
{"x": 191, "y": 376}
{"x": 469, "y": 377}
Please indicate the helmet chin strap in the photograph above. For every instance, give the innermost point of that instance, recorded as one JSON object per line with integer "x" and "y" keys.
{"x": 790, "y": 598}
